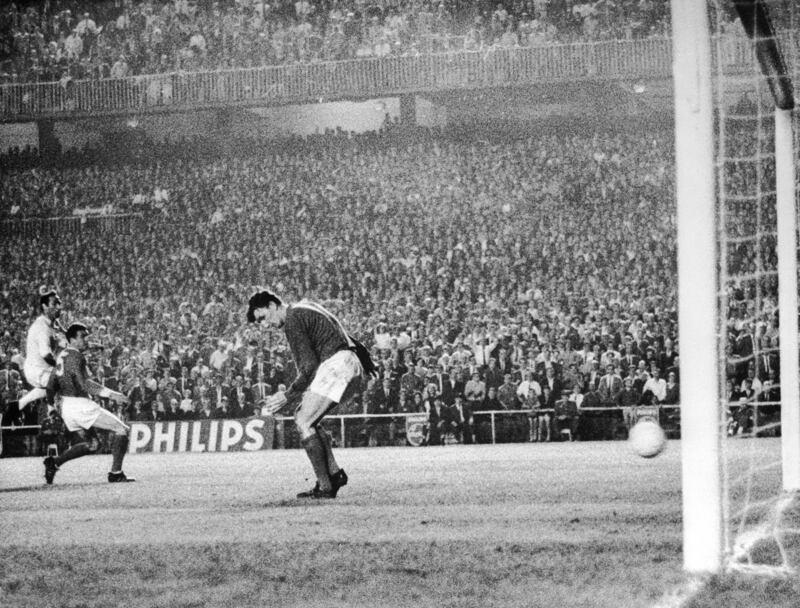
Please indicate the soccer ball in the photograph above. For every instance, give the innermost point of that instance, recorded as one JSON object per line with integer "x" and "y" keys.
{"x": 647, "y": 438}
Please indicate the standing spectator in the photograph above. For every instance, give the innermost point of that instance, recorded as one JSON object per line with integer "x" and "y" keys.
{"x": 553, "y": 385}
{"x": 672, "y": 395}
{"x": 219, "y": 357}
{"x": 120, "y": 68}
{"x": 463, "y": 413}
{"x": 540, "y": 419}
{"x": 507, "y": 393}
{"x": 529, "y": 390}
{"x": 493, "y": 376}
{"x": 655, "y": 389}
{"x": 475, "y": 392}
{"x": 610, "y": 386}
{"x": 627, "y": 399}
{"x": 439, "y": 422}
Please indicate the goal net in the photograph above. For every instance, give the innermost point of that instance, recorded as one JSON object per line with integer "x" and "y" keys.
{"x": 735, "y": 66}
{"x": 754, "y": 50}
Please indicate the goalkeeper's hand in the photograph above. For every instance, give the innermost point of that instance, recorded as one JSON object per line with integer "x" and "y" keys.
{"x": 274, "y": 403}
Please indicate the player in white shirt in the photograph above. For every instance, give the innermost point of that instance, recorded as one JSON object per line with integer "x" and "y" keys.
{"x": 41, "y": 343}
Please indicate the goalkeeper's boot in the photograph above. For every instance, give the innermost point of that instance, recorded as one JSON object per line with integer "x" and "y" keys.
{"x": 50, "y": 468}
{"x": 338, "y": 481}
{"x": 317, "y": 493}
{"x": 119, "y": 478}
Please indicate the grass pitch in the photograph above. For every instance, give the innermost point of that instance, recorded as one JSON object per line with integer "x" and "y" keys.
{"x": 556, "y": 525}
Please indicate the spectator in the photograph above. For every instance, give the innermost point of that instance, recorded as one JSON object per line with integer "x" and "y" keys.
{"x": 457, "y": 257}
{"x": 566, "y": 416}
{"x": 655, "y": 389}
{"x": 627, "y": 399}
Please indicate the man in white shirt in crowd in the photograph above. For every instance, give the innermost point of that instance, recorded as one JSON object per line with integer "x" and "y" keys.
{"x": 656, "y": 384}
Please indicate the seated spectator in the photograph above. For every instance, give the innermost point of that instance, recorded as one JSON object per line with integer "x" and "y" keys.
{"x": 566, "y": 416}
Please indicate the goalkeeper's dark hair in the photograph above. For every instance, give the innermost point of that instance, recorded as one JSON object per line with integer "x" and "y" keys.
{"x": 45, "y": 295}
{"x": 261, "y": 299}
{"x": 74, "y": 329}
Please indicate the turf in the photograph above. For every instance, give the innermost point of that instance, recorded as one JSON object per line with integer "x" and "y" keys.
{"x": 556, "y": 525}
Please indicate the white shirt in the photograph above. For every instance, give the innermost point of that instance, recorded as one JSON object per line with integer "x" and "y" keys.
{"x": 73, "y": 45}
{"x": 658, "y": 387}
{"x": 218, "y": 359}
{"x": 38, "y": 345}
{"x": 198, "y": 42}
{"x": 526, "y": 387}
{"x": 86, "y": 25}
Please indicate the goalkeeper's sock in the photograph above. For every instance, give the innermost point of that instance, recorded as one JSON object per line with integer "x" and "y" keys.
{"x": 74, "y": 451}
{"x": 316, "y": 454}
{"x": 33, "y": 395}
{"x": 325, "y": 438}
{"x": 118, "y": 449}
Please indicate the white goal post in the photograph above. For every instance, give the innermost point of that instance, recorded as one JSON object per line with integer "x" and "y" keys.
{"x": 697, "y": 288}
{"x": 700, "y": 322}
{"x": 787, "y": 298}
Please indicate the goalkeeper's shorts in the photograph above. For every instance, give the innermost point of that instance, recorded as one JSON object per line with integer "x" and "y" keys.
{"x": 335, "y": 374}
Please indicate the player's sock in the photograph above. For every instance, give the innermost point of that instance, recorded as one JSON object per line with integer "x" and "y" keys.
{"x": 118, "y": 449}
{"x": 33, "y": 395}
{"x": 325, "y": 438}
{"x": 316, "y": 454}
{"x": 74, "y": 451}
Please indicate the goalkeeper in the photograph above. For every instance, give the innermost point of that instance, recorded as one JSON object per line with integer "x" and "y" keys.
{"x": 81, "y": 415}
{"x": 330, "y": 364}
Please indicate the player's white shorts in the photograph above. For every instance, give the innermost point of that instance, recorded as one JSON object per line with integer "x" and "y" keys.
{"x": 83, "y": 413}
{"x": 37, "y": 377}
{"x": 334, "y": 374}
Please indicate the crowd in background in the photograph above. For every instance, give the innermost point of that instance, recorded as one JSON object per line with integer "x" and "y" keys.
{"x": 59, "y": 40}
{"x": 528, "y": 273}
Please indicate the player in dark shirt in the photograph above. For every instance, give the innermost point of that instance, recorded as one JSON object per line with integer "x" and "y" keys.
{"x": 329, "y": 364}
{"x": 81, "y": 415}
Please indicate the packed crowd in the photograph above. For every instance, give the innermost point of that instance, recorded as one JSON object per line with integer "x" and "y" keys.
{"x": 58, "y": 40}
{"x": 511, "y": 274}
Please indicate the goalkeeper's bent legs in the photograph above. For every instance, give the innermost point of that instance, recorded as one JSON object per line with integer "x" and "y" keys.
{"x": 311, "y": 410}
{"x": 325, "y": 438}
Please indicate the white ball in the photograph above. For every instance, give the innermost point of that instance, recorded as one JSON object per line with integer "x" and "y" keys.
{"x": 647, "y": 438}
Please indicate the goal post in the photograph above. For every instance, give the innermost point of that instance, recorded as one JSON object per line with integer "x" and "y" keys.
{"x": 697, "y": 289}
{"x": 755, "y": 19}
{"x": 736, "y": 190}
{"x": 787, "y": 298}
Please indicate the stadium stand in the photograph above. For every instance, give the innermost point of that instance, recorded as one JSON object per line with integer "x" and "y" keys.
{"x": 549, "y": 258}
{"x": 67, "y": 40}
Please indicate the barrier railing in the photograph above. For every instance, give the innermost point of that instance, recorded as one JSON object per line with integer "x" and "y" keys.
{"x": 46, "y": 226}
{"x": 368, "y": 430}
{"x": 359, "y": 78}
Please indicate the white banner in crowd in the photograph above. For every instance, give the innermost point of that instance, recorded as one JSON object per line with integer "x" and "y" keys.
{"x": 247, "y": 435}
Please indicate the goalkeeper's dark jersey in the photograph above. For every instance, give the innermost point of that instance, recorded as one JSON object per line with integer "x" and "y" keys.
{"x": 313, "y": 335}
{"x": 72, "y": 373}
